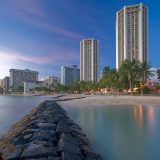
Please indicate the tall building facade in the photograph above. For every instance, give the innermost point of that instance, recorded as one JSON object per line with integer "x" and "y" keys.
{"x": 18, "y": 77}
{"x": 131, "y": 33}
{"x": 69, "y": 74}
{"x": 89, "y": 60}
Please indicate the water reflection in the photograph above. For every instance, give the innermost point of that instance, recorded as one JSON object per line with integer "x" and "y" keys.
{"x": 139, "y": 113}
{"x": 116, "y": 132}
{"x": 122, "y": 132}
{"x": 151, "y": 116}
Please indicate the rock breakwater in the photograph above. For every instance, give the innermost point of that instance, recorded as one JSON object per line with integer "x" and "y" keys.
{"x": 47, "y": 134}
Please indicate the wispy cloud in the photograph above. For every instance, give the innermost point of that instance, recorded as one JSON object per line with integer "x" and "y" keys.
{"x": 32, "y": 13}
{"x": 30, "y": 7}
{"x": 58, "y": 57}
{"x": 50, "y": 27}
{"x": 45, "y": 64}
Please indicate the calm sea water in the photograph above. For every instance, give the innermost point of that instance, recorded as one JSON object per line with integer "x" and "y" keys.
{"x": 117, "y": 133}
{"x": 14, "y": 108}
{"x": 122, "y": 132}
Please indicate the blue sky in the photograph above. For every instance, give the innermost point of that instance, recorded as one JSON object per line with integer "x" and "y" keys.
{"x": 43, "y": 35}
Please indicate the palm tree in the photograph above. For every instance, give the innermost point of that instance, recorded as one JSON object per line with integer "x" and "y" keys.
{"x": 130, "y": 69}
{"x": 82, "y": 86}
{"x": 145, "y": 72}
{"x": 1, "y": 90}
{"x": 113, "y": 78}
{"x": 158, "y": 74}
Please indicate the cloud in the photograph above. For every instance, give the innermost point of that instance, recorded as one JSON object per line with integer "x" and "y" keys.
{"x": 32, "y": 13}
{"x": 57, "y": 57}
{"x": 30, "y": 7}
{"x": 50, "y": 27}
{"x": 45, "y": 64}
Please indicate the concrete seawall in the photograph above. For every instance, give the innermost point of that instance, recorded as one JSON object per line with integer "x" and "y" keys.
{"x": 47, "y": 133}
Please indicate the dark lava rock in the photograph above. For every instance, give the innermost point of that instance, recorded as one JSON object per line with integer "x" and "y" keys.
{"x": 19, "y": 140}
{"x": 81, "y": 137}
{"x": 69, "y": 156}
{"x": 68, "y": 146}
{"x": 45, "y": 135}
{"x": 54, "y": 158}
{"x": 58, "y": 117}
{"x": 29, "y": 131}
{"x": 38, "y": 151}
{"x": 47, "y": 126}
{"x": 89, "y": 153}
{"x": 28, "y": 136}
{"x": 37, "y": 159}
{"x": 52, "y": 135}
{"x": 16, "y": 154}
{"x": 63, "y": 128}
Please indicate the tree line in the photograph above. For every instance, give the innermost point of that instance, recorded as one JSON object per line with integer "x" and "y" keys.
{"x": 131, "y": 74}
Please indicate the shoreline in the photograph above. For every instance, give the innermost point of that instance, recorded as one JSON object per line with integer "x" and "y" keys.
{"x": 112, "y": 100}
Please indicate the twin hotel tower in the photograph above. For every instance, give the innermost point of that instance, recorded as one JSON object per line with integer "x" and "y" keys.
{"x": 131, "y": 43}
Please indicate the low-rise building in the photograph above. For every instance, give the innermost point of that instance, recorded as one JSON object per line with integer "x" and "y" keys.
{"x": 50, "y": 80}
{"x": 29, "y": 85}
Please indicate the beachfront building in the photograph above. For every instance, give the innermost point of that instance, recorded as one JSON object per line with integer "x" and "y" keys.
{"x": 51, "y": 80}
{"x": 18, "y": 77}
{"x": 30, "y": 85}
{"x": 1, "y": 82}
{"x": 131, "y": 33}
{"x": 69, "y": 75}
{"x": 5, "y": 85}
{"x": 89, "y": 60}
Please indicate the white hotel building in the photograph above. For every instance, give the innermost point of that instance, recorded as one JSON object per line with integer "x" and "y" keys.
{"x": 89, "y": 60}
{"x": 131, "y": 33}
{"x": 18, "y": 77}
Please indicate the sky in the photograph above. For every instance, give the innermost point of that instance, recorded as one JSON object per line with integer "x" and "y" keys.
{"x": 44, "y": 35}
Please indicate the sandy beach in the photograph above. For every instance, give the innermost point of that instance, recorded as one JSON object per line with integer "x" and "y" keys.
{"x": 113, "y": 100}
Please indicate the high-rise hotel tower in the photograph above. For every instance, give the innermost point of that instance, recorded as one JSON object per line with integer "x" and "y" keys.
{"x": 89, "y": 60}
{"x": 131, "y": 33}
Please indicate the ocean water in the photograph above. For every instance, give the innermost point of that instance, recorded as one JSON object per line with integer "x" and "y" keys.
{"x": 121, "y": 132}
{"x": 14, "y": 108}
{"x": 116, "y": 132}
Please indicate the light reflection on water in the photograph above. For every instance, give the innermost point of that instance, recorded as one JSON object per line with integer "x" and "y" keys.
{"x": 122, "y": 132}
{"x": 116, "y": 132}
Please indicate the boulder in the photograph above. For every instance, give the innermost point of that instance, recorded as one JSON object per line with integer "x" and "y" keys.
{"x": 69, "y": 156}
{"x": 46, "y": 126}
{"x": 45, "y": 135}
{"x": 38, "y": 151}
{"x": 68, "y": 147}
